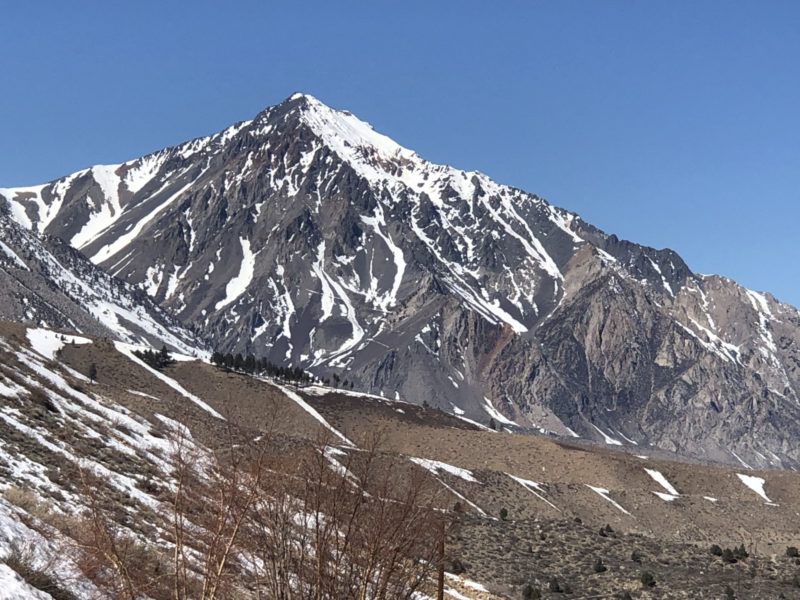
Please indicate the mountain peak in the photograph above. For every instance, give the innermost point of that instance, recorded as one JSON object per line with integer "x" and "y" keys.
{"x": 310, "y": 239}
{"x": 343, "y": 132}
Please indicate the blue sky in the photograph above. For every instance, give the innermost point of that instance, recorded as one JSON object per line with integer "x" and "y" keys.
{"x": 673, "y": 123}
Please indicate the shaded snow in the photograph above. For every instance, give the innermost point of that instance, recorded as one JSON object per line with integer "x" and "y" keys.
{"x": 607, "y": 438}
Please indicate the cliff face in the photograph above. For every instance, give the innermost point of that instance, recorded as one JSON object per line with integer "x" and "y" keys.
{"x": 306, "y": 237}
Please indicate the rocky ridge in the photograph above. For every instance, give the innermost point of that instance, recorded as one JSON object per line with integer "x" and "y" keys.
{"x": 305, "y": 236}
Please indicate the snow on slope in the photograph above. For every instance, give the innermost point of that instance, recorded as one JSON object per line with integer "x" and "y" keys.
{"x": 48, "y": 343}
{"x": 756, "y": 484}
{"x": 122, "y": 241}
{"x": 13, "y": 587}
{"x": 105, "y": 214}
{"x": 370, "y": 152}
{"x": 128, "y": 349}
{"x": 388, "y": 299}
{"x": 496, "y": 414}
{"x": 604, "y": 493}
{"x": 14, "y": 257}
{"x": 18, "y": 210}
{"x": 671, "y": 494}
{"x": 312, "y": 411}
{"x": 68, "y": 276}
{"x": 534, "y": 488}
{"x": 40, "y": 468}
{"x": 239, "y": 284}
{"x": 435, "y": 466}
{"x": 607, "y": 438}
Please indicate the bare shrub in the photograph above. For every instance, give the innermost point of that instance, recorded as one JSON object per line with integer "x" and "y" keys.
{"x": 252, "y": 521}
{"x": 26, "y": 499}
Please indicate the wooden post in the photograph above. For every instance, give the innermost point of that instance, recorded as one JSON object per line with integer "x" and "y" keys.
{"x": 440, "y": 583}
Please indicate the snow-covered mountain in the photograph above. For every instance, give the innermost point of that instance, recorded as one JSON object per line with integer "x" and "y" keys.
{"x": 307, "y": 237}
{"x": 43, "y": 280}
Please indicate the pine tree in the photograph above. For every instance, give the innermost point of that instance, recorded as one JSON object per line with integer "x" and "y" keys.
{"x": 647, "y": 579}
{"x": 531, "y": 593}
{"x": 599, "y": 567}
{"x": 740, "y": 552}
{"x": 164, "y": 357}
{"x": 728, "y": 556}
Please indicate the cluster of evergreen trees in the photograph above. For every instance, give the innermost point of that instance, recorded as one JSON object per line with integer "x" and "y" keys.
{"x": 338, "y": 381}
{"x": 157, "y": 360}
{"x": 729, "y": 555}
{"x": 260, "y": 366}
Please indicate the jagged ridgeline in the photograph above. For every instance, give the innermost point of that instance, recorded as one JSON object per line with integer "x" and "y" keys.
{"x": 305, "y": 237}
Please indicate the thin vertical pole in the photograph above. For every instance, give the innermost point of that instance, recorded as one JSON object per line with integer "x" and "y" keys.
{"x": 440, "y": 586}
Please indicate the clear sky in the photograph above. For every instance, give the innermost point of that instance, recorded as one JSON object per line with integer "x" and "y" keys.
{"x": 670, "y": 123}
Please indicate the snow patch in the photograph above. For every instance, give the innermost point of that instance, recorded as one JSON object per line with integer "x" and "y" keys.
{"x": 127, "y": 350}
{"x": 607, "y": 438}
{"x": 239, "y": 284}
{"x": 662, "y": 481}
{"x": 435, "y": 467}
{"x": 13, "y": 256}
{"x": 48, "y": 343}
{"x": 312, "y": 411}
{"x": 604, "y": 493}
{"x": 756, "y": 484}
{"x": 496, "y": 414}
{"x": 534, "y": 488}
{"x": 665, "y": 497}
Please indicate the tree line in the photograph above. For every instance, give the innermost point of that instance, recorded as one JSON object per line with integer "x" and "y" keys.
{"x": 260, "y": 366}
{"x": 249, "y": 364}
{"x": 157, "y": 360}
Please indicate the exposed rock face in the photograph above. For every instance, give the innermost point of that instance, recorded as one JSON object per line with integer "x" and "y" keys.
{"x": 305, "y": 236}
{"x": 45, "y": 281}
